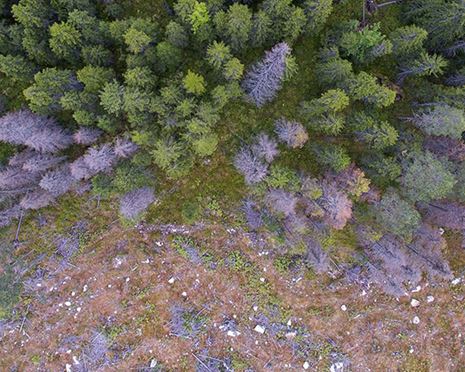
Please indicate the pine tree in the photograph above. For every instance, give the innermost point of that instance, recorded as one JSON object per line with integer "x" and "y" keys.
{"x": 264, "y": 79}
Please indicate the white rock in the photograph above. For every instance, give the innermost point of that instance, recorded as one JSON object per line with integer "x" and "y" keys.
{"x": 430, "y": 299}
{"x": 343, "y": 307}
{"x": 414, "y": 303}
{"x": 337, "y": 367}
{"x": 78, "y": 309}
{"x": 417, "y": 289}
{"x": 233, "y": 333}
{"x": 258, "y": 328}
{"x": 171, "y": 280}
{"x": 306, "y": 365}
{"x": 441, "y": 231}
{"x": 67, "y": 303}
{"x": 85, "y": 288}
{"x": 416, "y": 320}
{"x": 289, "y": 322}
{"x": 184, "y": 294}
{"x": 68, "y": 368}
{"x": 456, "y": 281}
{"x": 255, "y": 308}
{"x": 262, "y": 280}
{"x": 153, "y": 363}
{"x": 76, "y": 360}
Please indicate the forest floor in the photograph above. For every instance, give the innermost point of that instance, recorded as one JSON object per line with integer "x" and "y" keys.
{"x": 207, "y": 295}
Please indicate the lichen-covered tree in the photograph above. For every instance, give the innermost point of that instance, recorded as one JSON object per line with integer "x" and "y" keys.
{"x": 396, "y": 215}
{"x": 135, "y": 202}
{"x": 292, "y": 133}
{"x": 264, "y": 79}
{"x": 426, "y": 178}
{"x": 58, "y": 181}
{"x": 252, "y": 168}
{"x": 265, "y": 148}
{"x": 86, "y": 135}
{"x": 441, "y": 120}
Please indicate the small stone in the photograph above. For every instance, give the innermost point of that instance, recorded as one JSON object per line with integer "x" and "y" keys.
{"x": 255, "y": 308}
{"x": 73, "y": 294}
{"x": 258, "y": 328}
{"x": 78, "y": 309}
{"x": 85, "y": 288}
{"x": 344, "y": 308}
{"x": 233, "y": 333}
{"x": 184, "y": 294}
{"x": 430, "y": 299}
{"x": 416, "y": 320}
{"x": 306, "y": 365}
{"x": 456, "y": 281}
{"x": 171, "y": 280}
{"x": 441, "y": 231}
{"x": 262, "y": 280}
{"x": 414, "y": 303}
{"x": 68, "y": 368}
{"x": 291, "y": 335}
{"x": 67, "y": 303}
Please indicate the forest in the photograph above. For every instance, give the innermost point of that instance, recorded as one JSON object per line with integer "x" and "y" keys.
{"x": 328, "y": 134}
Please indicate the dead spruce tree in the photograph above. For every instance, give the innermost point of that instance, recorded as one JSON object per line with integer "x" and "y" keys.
{"x": 264, "y": 79}
{"x": 135, "y": 202}
{"x": 57, "y": 181}
{"x": 292, "y": 133}
{"x": 36, "y": 199}
{"x": 265, "y": 147}
{"x": 124, "y": 148}
{"x": 87, "y": 136}
{"x": 42, "y": 162}
{"x": 101, "y": 158}
{"x": 252, "y": 168}
{"x": 40, "y": 133}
